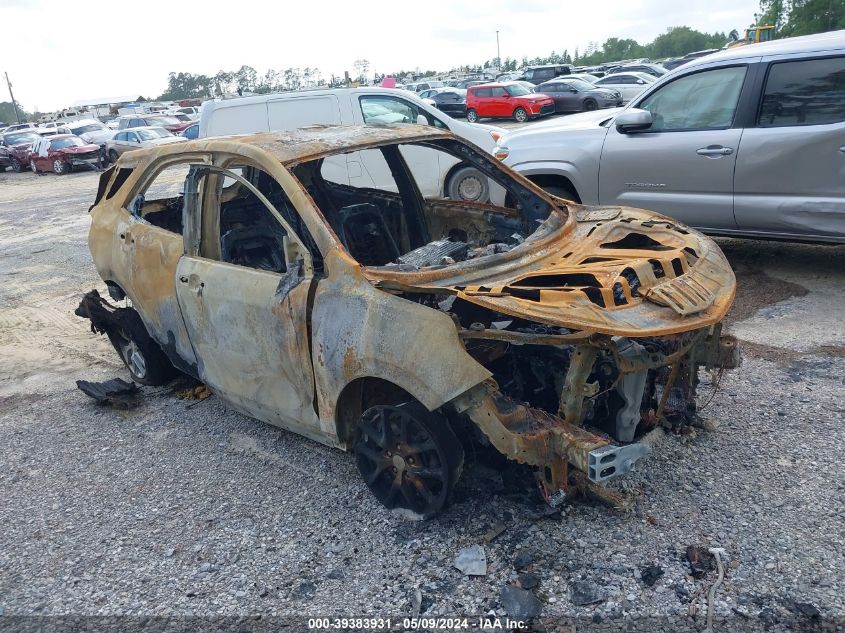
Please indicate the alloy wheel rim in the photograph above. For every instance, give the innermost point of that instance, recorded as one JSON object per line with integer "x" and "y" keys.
{"x": 402, "y": 464}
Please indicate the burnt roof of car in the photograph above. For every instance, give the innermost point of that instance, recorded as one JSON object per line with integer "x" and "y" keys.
{"x": 320, "y": 140}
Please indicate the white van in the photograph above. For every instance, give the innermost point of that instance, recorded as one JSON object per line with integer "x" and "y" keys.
{"x": 359, "y": 106}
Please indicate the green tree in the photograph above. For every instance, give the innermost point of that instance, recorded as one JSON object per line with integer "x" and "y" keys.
{"x": 7, "y": 112}
{"x": 813, "y": 16}
{"x": 773, "y": 12}
{"x": 186, "y": 86}
{"x": 246, "y": 79}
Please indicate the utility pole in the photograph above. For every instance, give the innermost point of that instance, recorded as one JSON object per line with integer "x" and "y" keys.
{"x": 14, "y": 104}
{"x": 498, "y": 53}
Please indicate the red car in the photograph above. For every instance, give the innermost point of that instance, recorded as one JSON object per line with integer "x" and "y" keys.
{"x": 62, "y": 152}
{"x": 15, "y": 148}
{"x": 507, "y": 99}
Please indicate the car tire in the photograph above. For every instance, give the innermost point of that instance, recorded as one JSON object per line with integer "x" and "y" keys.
{"x": 60, "y": 167}
{"x": 468, "y": 184}
{"x": 113, "y": 156}
{"x": 143, "y": 357}
{"x": 590, "y": 105}
{"x": 17, "y": 167}
{"x": 32, "y": 166}
{"x": 520, "y": 115}
{"x": 401, "y": 451}
{"x": 472, "y": 115}
{"x": 567, "y": 193}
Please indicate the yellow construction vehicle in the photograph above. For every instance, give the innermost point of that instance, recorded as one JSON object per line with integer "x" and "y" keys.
{"x": 753, "y": 34}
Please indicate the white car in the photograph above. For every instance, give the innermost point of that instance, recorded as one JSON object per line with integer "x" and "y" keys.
{"x": 139, "y": 138}
{"x": 90, "y": 130}
{"x": 362, "y": 106}
{"x": 629, "y": 85}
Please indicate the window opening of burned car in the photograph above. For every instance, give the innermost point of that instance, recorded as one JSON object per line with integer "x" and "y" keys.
{"x": 248, "y": 232}
{"x": 382, "y": 218}
{"x": 161, "y": 202}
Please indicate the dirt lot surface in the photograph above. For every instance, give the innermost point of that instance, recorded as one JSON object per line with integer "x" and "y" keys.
{"x": 186, "y": 507}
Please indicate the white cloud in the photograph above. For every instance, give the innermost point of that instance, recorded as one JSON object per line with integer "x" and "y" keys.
{"x": 103, "y": 48}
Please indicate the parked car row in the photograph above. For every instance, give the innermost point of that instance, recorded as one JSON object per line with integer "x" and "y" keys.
{"x": 55, "y": 148}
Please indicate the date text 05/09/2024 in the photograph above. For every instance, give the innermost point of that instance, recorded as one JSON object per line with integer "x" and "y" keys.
{"x": 486, "y": 623}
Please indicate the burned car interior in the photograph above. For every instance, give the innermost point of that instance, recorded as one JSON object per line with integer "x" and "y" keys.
{"x": 563, "y": 335}
{"x": 394, "y": 226}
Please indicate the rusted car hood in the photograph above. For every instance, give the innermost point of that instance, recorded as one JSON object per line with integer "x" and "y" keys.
{"x": 611, "y": 270}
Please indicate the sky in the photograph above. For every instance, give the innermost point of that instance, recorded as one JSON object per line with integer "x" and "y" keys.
{"x": 100, "y": 49}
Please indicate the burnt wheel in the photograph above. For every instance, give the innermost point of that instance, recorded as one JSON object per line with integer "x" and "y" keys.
{"x": 143, "y": 357}
{"x": 409, "y": 458}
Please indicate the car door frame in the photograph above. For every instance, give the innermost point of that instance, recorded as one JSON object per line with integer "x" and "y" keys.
{"x": 151, "y": 282}
{"x": 751, "y": 113}
{"x": 499, "y": 103}
{"x": 288, "y": 296}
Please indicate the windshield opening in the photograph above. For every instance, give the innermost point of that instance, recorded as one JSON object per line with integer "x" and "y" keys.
{"x": 388, "y": 208}
{"x": 517, "y": 90}
{"x": 15, "y": 139}
{"x": 163, "y": 120}
{"x": 92, "y": 127}
{"x": 151, "y": 133}
{"x": 70, "y": 141}
{"x": 579, "y": 84}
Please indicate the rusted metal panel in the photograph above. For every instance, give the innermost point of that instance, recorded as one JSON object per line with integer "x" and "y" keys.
{"x": 359, "y": 331}
{"x": 569, "y": 277}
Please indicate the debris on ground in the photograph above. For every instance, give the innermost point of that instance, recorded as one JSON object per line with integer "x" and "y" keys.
{"x": 416, "y": 603}
{"x": 528, "y": 581}
{"x": 806, "y": 609}
{"x": 584, "y": 592}
{"x": 544, "y": 512}
{"x": 199, "y": 392}
{"x": 651, "y": 574}
{"x": 472, "y": 561}
{"x": 519, "y": 603}
{"x": 700, "y": 560}
{"x": 523, "y": 560}
{"x": 493, "y": 533}
{"x": 116, "y": 392}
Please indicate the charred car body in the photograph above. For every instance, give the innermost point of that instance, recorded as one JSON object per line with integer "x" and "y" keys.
{"x": 402, "y": 328}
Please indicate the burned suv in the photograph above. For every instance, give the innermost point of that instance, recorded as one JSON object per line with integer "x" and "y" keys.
{"x": 400, "y": 328}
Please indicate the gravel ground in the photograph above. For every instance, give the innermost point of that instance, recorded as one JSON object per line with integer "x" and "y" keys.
{"x": 180, "y": 508}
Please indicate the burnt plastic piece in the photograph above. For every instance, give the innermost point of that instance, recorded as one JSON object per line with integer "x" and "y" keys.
{"x": 115, "y": 392}
{"x": 433, "y": 253}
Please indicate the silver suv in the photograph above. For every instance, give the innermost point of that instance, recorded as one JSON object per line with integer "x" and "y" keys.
{"x": 748, "y": 141}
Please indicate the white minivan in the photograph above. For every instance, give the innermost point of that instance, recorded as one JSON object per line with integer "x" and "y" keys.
{"x": 359, "y": 106}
